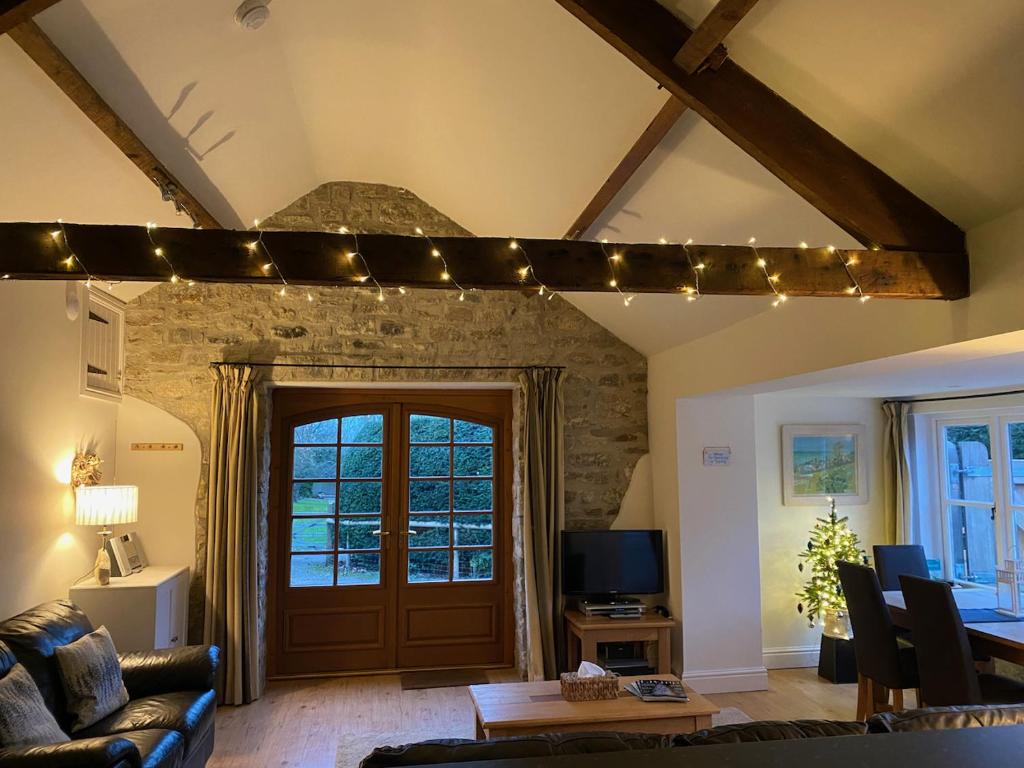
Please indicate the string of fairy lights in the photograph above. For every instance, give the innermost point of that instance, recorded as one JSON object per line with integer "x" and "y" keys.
{"x": 525, "y": 272}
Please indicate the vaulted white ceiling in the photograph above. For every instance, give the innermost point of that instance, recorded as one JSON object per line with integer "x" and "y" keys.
{"x": 507, "y": 115}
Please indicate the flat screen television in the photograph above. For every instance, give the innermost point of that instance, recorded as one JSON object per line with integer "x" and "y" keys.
{"x": 612, "y": 563}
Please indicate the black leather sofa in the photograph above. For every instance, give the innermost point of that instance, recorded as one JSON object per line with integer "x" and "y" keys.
{"x": 548, "y": 745}
{"x": 167, "y": 723}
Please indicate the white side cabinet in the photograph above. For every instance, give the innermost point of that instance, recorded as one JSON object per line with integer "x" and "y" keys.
{"x": 143, "y": 612}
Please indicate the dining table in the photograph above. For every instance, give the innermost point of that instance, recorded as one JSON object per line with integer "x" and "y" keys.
{"x": 1002, "y": 639}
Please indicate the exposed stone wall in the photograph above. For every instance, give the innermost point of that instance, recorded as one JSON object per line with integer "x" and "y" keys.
{"x": 173, "y": 332}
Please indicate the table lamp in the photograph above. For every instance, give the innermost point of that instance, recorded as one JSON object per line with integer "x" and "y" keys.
{"x": 106, "y": 505}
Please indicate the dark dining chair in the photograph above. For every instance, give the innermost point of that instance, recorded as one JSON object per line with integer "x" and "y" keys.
{"x": 895, "y": 560}
{"x": 885, "y": 661}
{"x": 944, "y": 661}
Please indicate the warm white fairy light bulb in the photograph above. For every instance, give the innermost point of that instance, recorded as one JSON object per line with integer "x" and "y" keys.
{"x": 613, "y": 283}
{"x": 513, "y": 245}
{"x": 445, "y": 276}
{"x": 435, "y": 253}
{"x": 401, "y": 290}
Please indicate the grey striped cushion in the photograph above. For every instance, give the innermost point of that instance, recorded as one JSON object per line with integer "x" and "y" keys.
{"x": 24, "y": 719}
{"x": 91, "y": 675}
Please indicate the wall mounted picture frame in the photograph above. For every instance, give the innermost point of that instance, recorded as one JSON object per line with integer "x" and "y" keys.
{"x": 824, "y": 460}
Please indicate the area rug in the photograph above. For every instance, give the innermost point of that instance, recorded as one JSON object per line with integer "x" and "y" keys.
{"x": 353, "y": 747}
{"x": 443, "y": 678}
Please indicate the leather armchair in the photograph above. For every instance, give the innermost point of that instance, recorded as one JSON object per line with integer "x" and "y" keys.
{"x": 103, "y": 752}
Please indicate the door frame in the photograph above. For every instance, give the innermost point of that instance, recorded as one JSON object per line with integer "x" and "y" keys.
{"x": 400, "y": 393}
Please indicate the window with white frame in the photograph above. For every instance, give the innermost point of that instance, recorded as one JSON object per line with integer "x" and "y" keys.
{"x": 980, "y": 494}
{"x": 102, "y": 345}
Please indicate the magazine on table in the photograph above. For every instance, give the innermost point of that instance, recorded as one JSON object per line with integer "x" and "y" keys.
{"x": 658, "y": 690}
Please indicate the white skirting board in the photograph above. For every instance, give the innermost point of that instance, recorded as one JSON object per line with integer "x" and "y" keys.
{"x": 732, "y": 680}
{"x": 791, "y": 657}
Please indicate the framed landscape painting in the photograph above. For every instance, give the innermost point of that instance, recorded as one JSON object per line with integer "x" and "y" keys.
{"x": 819, "y": 461}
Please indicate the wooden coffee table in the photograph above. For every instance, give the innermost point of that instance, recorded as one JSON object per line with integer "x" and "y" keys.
{"x": 520, "y": 709}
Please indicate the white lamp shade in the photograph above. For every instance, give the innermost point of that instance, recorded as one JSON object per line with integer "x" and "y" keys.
{"x": 106, "y": 504}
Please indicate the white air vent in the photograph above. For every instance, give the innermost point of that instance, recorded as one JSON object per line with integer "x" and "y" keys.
{"x": 102, "y": 345}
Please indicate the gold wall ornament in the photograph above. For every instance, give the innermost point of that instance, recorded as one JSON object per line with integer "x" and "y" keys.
{"x": 85, "y": 470}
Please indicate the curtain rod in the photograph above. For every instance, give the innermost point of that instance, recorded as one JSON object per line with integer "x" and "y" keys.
{"x": 391, "y": 367}
{"x": 958, "y": 397}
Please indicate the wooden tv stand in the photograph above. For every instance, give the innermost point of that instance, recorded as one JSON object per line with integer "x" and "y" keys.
{"x": 583, "y": 633}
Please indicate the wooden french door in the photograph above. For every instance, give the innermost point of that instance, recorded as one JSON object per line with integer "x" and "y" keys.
{"x": 390, "y": 530}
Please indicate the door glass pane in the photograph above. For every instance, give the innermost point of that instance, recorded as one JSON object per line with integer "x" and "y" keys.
{"x": 473, "y": 461}
{"x": 428, "y": 496}
{"x": 473, "y": 564}
{"x": 968, "y": 458}
{"x": 360, "y": 498}
{"x": 367, "y": 428}
{"x": 361, "y": 462}
{"x": 1016, "y": 436}
{"x": 428, "y": 565}
{"x": 468, "y": 432}
{"x": 473, "y": 530}
{"x": 317, "y": 432}
{"x": 972, "y": 533}
{"x": 430, "y": 531}
{"x": 473, "y": 495}
{"x": 313, "y": 498}
{"x": 318, "y": 463}
{"x": 312, "y": 571}
{"x": 429, "y": 429}
{"x": 428, "y": 461}
{"x": 355, "y": 533}
{"x": 358, "y": 568}
{"x": 312, "y": 534}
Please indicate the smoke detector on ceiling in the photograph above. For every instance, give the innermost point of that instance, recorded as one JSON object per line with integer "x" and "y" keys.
{"x": 252, "y": 14}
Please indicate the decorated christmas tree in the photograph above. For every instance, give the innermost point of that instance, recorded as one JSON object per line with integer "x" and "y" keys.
{"x": 831, "y": 540}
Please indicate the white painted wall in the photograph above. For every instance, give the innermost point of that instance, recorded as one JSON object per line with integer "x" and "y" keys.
{"x": 43, "y": 421}
{"x": 720, "y": 599}
{"x": 788, "y": 641}
{"x": 168, "y": 481}
{"x": 637, "y": 508}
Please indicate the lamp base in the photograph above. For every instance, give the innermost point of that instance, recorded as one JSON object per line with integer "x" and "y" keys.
{"x": 101, "y": 568}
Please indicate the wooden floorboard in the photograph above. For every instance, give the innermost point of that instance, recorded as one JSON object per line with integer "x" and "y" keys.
{"x": 302, "y": 722}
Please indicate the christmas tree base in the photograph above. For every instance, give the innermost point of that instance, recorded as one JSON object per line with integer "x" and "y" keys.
{"x": 837, "y": 662}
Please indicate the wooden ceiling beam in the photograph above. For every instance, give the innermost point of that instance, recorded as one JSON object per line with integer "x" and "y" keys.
{"x": 856, "y": 195}
{"x": 710, "y": 33}
{"x": 34, "y": 42}
{"x": 30, "y": 251}
{"x": 15, "y": 12}
{"x": 641, "y": 149}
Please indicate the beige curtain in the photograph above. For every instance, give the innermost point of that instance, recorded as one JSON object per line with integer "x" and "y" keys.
{"x": 899, "y": 492}
{"x": 544, "y": 518}
{"x": 230, "y": 619}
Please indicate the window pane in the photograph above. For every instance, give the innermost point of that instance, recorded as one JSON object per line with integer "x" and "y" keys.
{"x": 468, "y": 432}
{"x": 969, "y": 462}
{"x": 312, "y": 535}
{"x": 477, "y": 460}
{"x": 321, "y": 463}
{"x": 429, "y": 429}
{"x": 355, "y": 533}
{"x": 473, "y": 495}
{"x": 368, "y": 428}
{"x": 312, "y": 571}
{"x": 428, "y": 496}
{"x": 473, "y": 530}
{"x": 360, "y": 498}
{"x": 361, "y": 462}
{"x": 428, "y": 566}
{"x": 428, "y": 462}
{"x": 360, "y": 568}
{"x": 313, "y": 499}
{"x": 431, "y": 531}
{"x": 1016, "y": 434}
{"x": 473, "y": 564}
{"x": 1017, "y": 538}
{"x": 972, "y": 533}
{"x": 317, "y": 432}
